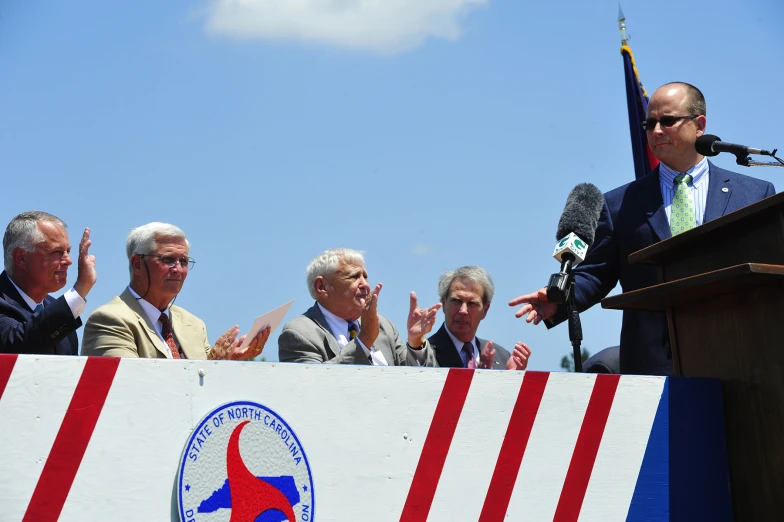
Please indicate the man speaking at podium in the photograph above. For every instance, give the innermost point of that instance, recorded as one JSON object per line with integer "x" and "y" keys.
{"x": 684, "y": 191}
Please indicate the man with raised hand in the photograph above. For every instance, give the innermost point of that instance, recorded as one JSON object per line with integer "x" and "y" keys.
{"x": 466, "y": 294}
{"x": 344, "y": 326}
{"x": 684, "y": 191}
{"x": 37, "y": 254}
{"x": 143, "y": 321}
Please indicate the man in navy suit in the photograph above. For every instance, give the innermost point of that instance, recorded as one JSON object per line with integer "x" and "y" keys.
{"x": 639, "y": 214}
{"x": 37, "y": 256}
{"x": 465, "y": 295}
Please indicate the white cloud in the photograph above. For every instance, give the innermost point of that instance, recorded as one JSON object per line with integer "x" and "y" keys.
{"x": 383, "y": 26}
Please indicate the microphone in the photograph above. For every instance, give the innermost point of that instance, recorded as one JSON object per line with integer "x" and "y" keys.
{"x": 710, "y": 145}
{"x": 576, "y": 232}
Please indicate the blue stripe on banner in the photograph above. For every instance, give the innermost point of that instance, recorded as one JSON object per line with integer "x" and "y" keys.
{"x": 699, "y": 471}
{"x": 651, "y": 498}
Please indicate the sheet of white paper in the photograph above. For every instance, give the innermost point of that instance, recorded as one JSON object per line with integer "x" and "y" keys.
{"x": 271, "y": 319}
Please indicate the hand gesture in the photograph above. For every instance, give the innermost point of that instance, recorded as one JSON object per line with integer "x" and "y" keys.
{"x": 86, "y": 274}
{"x": 420, "y": 321}
{"x": 519, "y": 358}
{"x": 369, "y": 316}
{"x": 227, "y": 347}
{"x": 535, "y": 305}
{"x": 487, "y": 356}
{"x": 253, "y": 349}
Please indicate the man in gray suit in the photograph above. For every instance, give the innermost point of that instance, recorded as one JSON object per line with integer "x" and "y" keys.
{"x": 344, "y": 327}
{"x": 466, "y": 294}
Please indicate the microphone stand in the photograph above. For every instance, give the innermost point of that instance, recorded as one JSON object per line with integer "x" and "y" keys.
{"x": 746, "y": 161}
{"x": 575, "y": 328}
{"x": 560, "y": 290}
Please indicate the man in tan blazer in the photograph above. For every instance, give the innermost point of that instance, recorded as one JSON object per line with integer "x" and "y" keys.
{"x": 142, "y": 322}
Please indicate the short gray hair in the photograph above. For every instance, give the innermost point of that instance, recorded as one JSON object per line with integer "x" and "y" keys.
{"x": 477, "y": 274}
{"x": 326, "y": 264}
{"x": 22, "y": 232}
{"x": 143, "y": 239}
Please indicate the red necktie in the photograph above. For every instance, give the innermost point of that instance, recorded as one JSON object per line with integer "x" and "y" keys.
{"x": 168, "y": 336}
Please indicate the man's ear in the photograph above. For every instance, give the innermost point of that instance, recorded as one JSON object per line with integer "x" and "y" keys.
{"x": 701, "y": 122}
{"x": 487, "y": 308}
{"x": 136, "y": 263}
{"x": 20, "y": 258}
{"x": 321, "y": 286}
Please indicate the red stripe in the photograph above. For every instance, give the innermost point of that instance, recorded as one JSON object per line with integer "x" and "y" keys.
{"x": 439, "y": 438}
{"x": 7, "y": 362}
{"x": 587, "y": 447}
{"x": 513, "y": 448}
{"x": 653, "y": 161}
{"x": 72, "y": 439}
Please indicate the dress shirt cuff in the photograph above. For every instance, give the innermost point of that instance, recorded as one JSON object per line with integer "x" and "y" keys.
{"x": 419, "y": 353}
{"x": 364, "y": 348}
{"x": 75, "y": 302}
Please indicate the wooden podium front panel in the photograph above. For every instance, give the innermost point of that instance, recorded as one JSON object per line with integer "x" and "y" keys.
{"x": 735, "y": 337}
{"x": 753, "y": 234}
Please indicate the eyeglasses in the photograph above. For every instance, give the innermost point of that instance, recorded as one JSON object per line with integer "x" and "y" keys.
{"x": 666, "y": 121}
{"x": 185, "y": 262}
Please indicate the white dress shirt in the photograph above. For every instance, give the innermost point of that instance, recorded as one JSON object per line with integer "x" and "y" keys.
{"x": 698, "y": 188}
{"x": 155, "y": 318}
{"x": 72, "y": 297}
{"x": 459, "y": 347}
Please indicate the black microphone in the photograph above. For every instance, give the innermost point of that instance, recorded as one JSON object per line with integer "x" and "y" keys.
{"x": 576, "y": 232}
{"x": 710, "y": 145}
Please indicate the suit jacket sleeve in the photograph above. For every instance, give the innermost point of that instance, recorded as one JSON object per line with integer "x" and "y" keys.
{"x": 307, "y": 345}
{"x": 107, "y": 334}
{"x": 405, "y": 356}
{"x": 40, "y": 332}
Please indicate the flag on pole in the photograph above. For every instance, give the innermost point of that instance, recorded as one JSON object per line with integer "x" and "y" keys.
{"x": 637, "y": 102}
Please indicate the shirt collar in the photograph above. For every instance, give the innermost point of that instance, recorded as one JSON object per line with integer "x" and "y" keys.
{"x": 458, "y": 343}
{"x": 699, "y": 173}
{"x": 339, "y": 326}
{"x": 153, "y": 313}
{"x": 27, "y": 299}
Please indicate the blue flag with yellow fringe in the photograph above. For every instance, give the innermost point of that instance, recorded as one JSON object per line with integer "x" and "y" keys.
{"x": 637, "y": 103}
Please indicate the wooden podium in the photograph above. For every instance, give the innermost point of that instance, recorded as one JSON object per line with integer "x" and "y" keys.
{"x": 723, "y": 292}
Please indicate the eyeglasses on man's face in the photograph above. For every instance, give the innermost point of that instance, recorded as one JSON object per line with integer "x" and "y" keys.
{"x": 185, "y": 262}
{"x": 666, "y": 121}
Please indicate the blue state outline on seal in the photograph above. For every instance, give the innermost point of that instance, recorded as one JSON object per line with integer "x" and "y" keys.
{"x": 244, "y": 451}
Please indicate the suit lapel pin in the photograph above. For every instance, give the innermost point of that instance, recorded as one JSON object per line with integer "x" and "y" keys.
{"x": 725, "y": 189}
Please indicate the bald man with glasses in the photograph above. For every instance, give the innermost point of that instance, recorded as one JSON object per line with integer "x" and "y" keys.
{"x": 684, "y": 191}
{"x": 143, "y": 321}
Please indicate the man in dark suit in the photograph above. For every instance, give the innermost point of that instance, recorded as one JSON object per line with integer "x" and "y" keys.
{"x": 466, "y": 294}
{"x": 37, "y": 257}
{"x": 344, "y": 326}
{"x": 684, "y": 191}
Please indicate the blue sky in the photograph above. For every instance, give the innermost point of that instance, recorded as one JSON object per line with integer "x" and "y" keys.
{"x": 428, "y": 133}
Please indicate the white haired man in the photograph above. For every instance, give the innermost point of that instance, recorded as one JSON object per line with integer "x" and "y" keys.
{"x": 143, "y": 322}
{"x": 37, "y": 255}
{"x": 344, "y": 326}
{"x": 466, "y": 294}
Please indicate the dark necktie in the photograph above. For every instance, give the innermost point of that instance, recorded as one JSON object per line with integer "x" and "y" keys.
{"x": 38, "y": 308}
{"x": 168, "y": 336}
{"x": 468, "y": 350}
{"x": 353, "y": 331}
